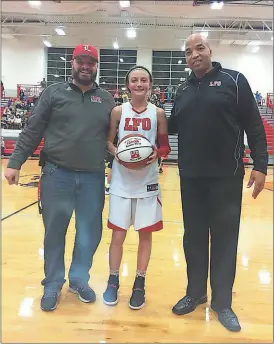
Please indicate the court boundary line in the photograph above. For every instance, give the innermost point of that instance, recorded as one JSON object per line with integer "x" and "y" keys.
{"x": 29, "y": 175}
{"x": 19, "y": 210}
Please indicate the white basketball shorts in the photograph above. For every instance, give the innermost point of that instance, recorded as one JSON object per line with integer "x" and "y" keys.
{"x": 145, "y": 214}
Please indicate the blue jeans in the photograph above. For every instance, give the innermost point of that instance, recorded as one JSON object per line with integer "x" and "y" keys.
{"x": 62, "y": 192}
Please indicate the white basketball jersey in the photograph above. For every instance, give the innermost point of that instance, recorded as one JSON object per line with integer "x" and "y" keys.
{"x": 136, "y": 183}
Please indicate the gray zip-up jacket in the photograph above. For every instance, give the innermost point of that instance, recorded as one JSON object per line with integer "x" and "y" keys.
{"x": 74, "y": 126}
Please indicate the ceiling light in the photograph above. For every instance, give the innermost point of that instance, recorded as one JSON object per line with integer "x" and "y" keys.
{"x": 121, "y": 60}
{"x": 204, "y": 33}
{"x": 60, "y": 31}
{"x": 7, "y": 36}
{"x": 47, "y": 43}
{"x": 217, "y": 5}
{"x": 131, "y": 33}
{"x": 256, "y": 43}
{"x": 62, "y": 58}
{"x": 180, "y": 62}
{"x": 124, "y": 3}
{"x": 255, "y": 49}
{"x": 115, "y": 45}
{"x": 35, "y": 3}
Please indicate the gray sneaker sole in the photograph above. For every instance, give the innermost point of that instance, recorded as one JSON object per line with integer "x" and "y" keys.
{"x": 136, "y": 308}
{"x": 113, "y": 303}
{"x": 79, "y": 296}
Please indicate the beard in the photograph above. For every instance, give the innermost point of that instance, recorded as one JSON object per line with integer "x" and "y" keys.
{"x": 83, "y": 80}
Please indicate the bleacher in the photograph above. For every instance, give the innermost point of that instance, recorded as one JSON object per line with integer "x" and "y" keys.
{"x": 173, "y": 155}
{"x": 11, "y": 142}
{"x": 266, "y": 114}
{"x": 267, "y": 117}
{"x": 4, "y": 102}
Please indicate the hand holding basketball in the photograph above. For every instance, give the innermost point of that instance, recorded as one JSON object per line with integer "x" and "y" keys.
{"x": 153, "y": 156}
{"x": 113, "y": 151}
{"x": 115, "y": 156}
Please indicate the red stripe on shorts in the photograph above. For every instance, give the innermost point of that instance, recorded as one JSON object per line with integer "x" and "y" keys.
{"x": 114, "y": 227}
{"x": 154, "y": 228}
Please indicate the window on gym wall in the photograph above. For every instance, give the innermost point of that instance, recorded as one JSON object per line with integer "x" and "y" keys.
{"x": 59, "y": 65}
{"x": 114, "y": 64}
{"x": 168, "y": 68}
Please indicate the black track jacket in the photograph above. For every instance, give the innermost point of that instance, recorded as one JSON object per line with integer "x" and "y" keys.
{"x": 210, "y": 116}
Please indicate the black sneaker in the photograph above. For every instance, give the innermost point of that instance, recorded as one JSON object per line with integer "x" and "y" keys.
{"x": 85, "y": 293}
{"x": 49, "y": 301}
{"x": 110, "y": 296}
{"x": 137, "y": 300}
{"x": 227, "y": 318}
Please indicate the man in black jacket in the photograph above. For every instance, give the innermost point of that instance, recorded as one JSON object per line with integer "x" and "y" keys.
{"x": 212, "y": 109}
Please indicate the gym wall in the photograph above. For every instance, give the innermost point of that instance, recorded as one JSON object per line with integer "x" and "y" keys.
{"x": 24, "y": 60}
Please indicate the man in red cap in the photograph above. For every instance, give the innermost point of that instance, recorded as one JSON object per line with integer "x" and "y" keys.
{"x": 84, "y": 64}
{"x": 73, "y": 119}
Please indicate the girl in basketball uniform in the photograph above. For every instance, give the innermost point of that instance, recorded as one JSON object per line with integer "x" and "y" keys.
{"x": 135, "y": 194}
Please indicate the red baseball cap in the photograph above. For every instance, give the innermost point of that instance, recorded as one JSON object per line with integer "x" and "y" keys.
{"x": 85, "y": 49}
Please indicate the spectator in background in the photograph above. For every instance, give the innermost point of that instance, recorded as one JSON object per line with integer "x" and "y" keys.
{"x": 160, "y": 165}
{"x": 35, "y": 100}
{"x": 43, "y": 84}
{"x": 258, "y": 97}
{"x": 155, "y": 99}
{"x": 212, "y": 109}
{"x": 110, "y": 159}
{"x": 21, "y": 95}
{"x": 2, "y": 89}
{"x": 2, "y": 146}
{"x": 169, "y": 90}
{"x": 157, "y": 91}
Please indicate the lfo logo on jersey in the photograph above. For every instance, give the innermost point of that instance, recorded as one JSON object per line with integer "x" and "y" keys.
{"x": 134, "y": 155}
{"x": 95, "y": 99}
{"x": 215, "y": 83}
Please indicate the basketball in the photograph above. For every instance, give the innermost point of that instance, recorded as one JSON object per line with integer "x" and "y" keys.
{"x": 134, "y": 151}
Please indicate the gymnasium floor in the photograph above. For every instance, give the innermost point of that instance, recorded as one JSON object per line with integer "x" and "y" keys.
{"x": 74, "y": 321}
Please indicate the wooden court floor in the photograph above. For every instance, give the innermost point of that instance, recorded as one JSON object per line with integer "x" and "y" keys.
{"x": 75, "y": 322}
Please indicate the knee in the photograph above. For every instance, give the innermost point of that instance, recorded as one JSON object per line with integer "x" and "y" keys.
{"x": 145, "y": 238}
{"x": 232, "y": 212}
{"x": 90, "y": 237}
{"x": 54, "y": 238}
{"x": 118, "y": 238}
